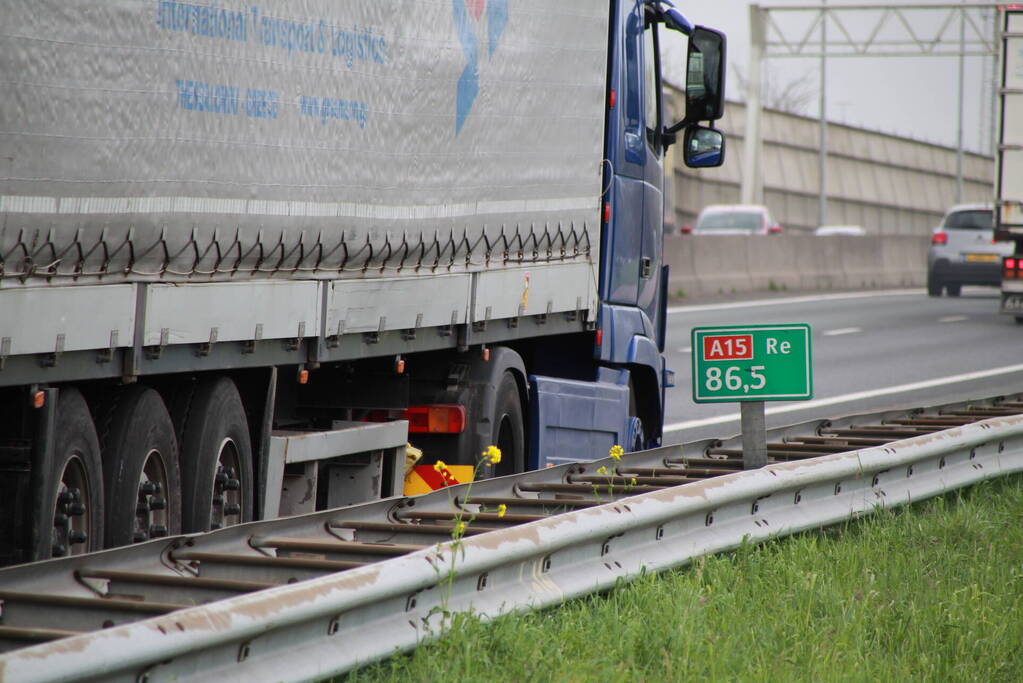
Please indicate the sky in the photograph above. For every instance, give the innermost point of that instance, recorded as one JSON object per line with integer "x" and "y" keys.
{"x": 915, "y": 97}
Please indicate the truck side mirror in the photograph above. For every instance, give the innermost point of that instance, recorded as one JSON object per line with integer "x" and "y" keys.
{"x": 705, "y": 75}
{"x": 703, "y": 147}
{"x": 705, "y": 78}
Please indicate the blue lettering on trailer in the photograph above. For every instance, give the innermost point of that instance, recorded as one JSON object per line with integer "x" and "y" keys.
{"x": 333, "y": 109}
{"x": 315, "y": 36}
{"x": 206, "y": 97}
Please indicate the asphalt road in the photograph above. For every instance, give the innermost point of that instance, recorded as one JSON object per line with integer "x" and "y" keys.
{"x": 871, "y": 351}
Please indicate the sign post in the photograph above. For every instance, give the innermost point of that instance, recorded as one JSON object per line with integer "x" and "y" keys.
{"x": 751, "y": 365}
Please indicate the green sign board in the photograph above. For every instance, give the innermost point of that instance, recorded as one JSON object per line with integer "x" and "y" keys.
{"x": 752, "y": 363}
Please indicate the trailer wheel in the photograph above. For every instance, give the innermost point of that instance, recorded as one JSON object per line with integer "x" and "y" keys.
{"x": 76, "y": 481}
{"x": 216, "y": 458}
{"x": 509, "y": 431}
{"x": 140, "y": 461}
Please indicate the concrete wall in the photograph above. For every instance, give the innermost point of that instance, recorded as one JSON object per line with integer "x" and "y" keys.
{"x": 890, "y": 185}
{"x": 709, "y": 265}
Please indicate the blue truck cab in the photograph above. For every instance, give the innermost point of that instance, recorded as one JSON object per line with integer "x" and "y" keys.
{"x": 626, "y": 403}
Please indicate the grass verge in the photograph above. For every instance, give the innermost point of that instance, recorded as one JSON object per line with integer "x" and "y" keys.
{"x": 933, "y": 591}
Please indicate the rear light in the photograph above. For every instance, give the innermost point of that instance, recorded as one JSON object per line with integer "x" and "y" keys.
{"x": 607, "y": 212}
{"x": 1012, "y": 267}
{"x": 435, "y": 419}
{"x": 939, "y": 238}
{"x": 686, "y": 230}
{"x": 441, "y": 418}
{"x": 774, "y": 230}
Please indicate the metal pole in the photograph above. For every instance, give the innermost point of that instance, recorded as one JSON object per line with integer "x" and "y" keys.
{"x": 996, "y": 72}
{"x": 822, "y": 152}
{"x": 754, "y": 434}
{"x": 959, "y": 132}
{"x": 752, "y": 178}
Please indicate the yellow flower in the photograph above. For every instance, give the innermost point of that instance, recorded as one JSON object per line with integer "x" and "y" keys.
{"x": 440, "y": 466}
{"x": 616, "y": 452}
{"x": 459, "y": 529}
{"x": 501, "y": 509}
{"x": 492, "y": 454}
{"x": 601, "y": 470}
{"x": 633, "y": 481}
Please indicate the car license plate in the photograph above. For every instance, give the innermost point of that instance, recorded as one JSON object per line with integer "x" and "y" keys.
{"x": 982, "y": 258}
{"x": 1012, "y": 303}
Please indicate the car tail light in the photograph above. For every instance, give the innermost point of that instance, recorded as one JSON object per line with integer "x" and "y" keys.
{"x": 686, "y": 230}
{"x": 939, "y": 238}
{"x": 435, "y": 419}
{"x": 1012, "y": 267}
{"x": 774, "y": 230}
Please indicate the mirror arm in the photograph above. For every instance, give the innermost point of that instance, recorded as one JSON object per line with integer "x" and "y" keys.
{"x": 672, "y": 130}
{"x": 669, "y": 16}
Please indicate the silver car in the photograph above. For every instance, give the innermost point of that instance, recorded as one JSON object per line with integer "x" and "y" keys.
{"x": 963, "y": 251}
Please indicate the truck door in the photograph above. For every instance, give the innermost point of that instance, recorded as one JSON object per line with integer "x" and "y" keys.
{"x": 636, "y": 153}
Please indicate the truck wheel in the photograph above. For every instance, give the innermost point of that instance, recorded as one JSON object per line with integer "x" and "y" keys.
{"x": 140, "y": 463}
{"x": 953, "y": 289}
{"x": 216, "y": 458}
{"x": 76, "y": 481}
{"x": 509, "y": 432}
{"x": 933, "y": 285}
{"x": 1019, "y": 319}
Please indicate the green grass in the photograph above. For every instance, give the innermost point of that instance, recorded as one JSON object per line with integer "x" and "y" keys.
{"x": 930, "y": 592}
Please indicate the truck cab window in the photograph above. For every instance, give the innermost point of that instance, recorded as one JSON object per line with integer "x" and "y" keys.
{"x": 652, "y": 87}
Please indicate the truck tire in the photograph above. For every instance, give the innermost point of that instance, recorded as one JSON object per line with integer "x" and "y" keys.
{"x": 140, "y": 464}
{"x": 75, "y": 481}
{"x": 509, "y": 431}
{"x": 216, "y": 458}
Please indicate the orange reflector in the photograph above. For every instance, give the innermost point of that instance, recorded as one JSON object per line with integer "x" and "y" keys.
{"x": 424, "y": 478}
{"x": 486, "y": 355}
{"x": 607, "y": 212}
{"x": 435, "y": 419}
{"x": 39, "y": 399}
{"x": 600, "y": 337}
{"x": 612, "y": 97}
{"x": 303, "y": 376}
{"x": 399, "y": 366}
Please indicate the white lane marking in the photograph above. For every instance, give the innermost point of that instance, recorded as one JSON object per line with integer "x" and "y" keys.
{"x": 841, "y": 331}
{"x": 793, "y": 300}
{"x": 846, "y": 398}
{"x": 953, "y": 318}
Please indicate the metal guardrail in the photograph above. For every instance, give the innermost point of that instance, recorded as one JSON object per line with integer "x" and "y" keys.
{"x": 327, "y": 625}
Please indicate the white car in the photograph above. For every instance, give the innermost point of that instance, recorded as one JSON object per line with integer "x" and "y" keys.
{"x": 736, "y": 219}
{"x": 826, "y": 230}
{"x": 963, "y": 251}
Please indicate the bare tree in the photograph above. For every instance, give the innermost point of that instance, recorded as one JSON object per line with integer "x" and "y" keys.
{"x": 793, "y": 95}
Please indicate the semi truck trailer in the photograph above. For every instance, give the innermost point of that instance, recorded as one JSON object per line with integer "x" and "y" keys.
{"x": 249, "y": 253}
{"x": 1009, "y": 163}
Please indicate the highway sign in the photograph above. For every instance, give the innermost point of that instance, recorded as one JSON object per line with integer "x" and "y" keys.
{"x": 752, "y": 363}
